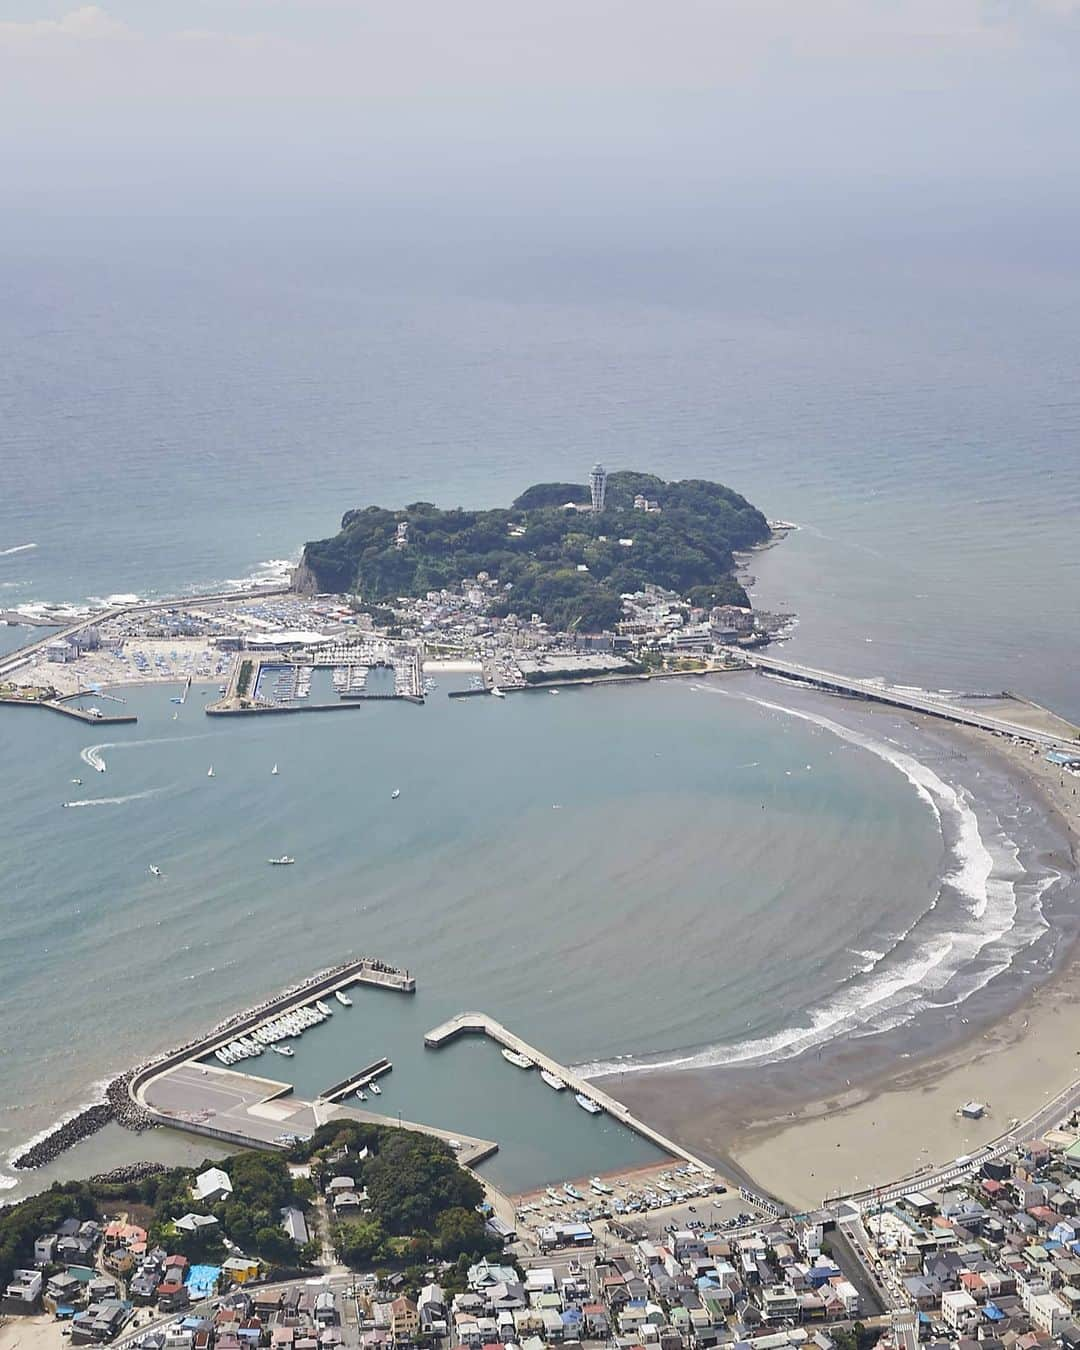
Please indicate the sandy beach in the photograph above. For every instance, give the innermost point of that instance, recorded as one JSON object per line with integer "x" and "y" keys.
{"x": 878, "y": 1112}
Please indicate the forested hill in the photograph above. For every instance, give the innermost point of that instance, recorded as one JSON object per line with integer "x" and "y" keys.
{"x": 537, "y": 549}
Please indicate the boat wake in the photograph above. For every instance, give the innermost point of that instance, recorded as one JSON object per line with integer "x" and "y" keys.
{"x": 91, "y": 754}
{"x": 994, "y": 912}
{"x": 117, "y": 801}
{"x": 7, "y": 552}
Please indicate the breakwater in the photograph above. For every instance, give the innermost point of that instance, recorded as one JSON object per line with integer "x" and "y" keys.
{"x": 119, "y": 1100}
{"x": 124, "y": 1176}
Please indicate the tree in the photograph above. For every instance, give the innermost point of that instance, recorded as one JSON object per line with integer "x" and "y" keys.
{"x": 359, "y": 1243}
{"x": 459, "y": 1232}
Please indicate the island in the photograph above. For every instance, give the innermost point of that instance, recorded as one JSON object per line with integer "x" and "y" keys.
{"x": 567, "y": 552}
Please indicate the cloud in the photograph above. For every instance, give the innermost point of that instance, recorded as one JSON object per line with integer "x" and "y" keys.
{"x": 88, "y": 21}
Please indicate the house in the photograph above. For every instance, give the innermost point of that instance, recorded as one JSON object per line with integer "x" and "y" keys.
{"x": 195, "y": 1223}
{"x": 241, "y": 1268}
{"x": 292, "y": 1220}
{"x": 957, "y": 1306}
{"x": 779, "y": 1301}
{"x": 100, "y": 1322}
{"x": 45, "y": 1249}
{"x": 23, "y": 1291}
{"x": 211, "y": 1186}
{"x": 64, "y": 1287}
{"x": 404, "y": 1321}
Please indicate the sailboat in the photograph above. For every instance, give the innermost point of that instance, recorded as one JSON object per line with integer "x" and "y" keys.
{"x": 210, "y": 771}
{"x": 273, "y": 771}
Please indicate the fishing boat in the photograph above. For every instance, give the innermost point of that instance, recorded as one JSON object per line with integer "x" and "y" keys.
{"x": 210, "y": 771}
{"x": 324, "y": 1008}
{"x": 283, "y": 861}
{"x": 343, "y": 999}
{"x": 573, "y": 1192}
{"x": 376, "y": 1089}
{"x": 361, "y": 1095}
{"x": 155, "y": 870}
{"x": 552, "y": 1081}
{"x": 587, "y": 1104}
{"x": 273, "y": 771}
{"x": 519, "y": 1061}
{"x": 395, "y": 794}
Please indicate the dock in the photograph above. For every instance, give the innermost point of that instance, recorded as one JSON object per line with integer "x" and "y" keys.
{"x": 480, "y": 1024}
{"x": 80, "y": 714}
{"x": 357, "y": 1080}
{"x": 362, "y": 970}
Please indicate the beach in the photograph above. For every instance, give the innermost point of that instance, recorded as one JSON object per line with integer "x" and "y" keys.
{"x": 866, "y": 1111}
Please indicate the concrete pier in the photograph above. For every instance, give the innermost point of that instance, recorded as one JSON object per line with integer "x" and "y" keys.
{"x": 356, "y": 1080}
{"x": 478, "y": 1023}
{"x": 80, "y": 714}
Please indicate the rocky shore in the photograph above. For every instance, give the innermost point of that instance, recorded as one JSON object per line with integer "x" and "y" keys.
{"x": 118, "y": 1176}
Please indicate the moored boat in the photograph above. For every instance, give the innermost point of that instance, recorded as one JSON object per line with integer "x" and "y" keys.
{"x": 519, "y": 1061}
{"x": 587, "y": 1104}
{"x": 552, "y": 1081}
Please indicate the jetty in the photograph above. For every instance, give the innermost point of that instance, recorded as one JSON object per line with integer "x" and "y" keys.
{"x": 356, "y": 1080}
{"x": 480, "y": 1024}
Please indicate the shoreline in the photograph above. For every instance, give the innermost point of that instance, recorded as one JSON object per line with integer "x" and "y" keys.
{"x": 880, "y": 1113}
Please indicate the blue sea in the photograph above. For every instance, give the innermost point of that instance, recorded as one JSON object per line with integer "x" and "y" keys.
{"x": 675, "y": 875}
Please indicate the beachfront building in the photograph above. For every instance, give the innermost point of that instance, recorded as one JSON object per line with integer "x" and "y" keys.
{"x": 211, "y": 1186}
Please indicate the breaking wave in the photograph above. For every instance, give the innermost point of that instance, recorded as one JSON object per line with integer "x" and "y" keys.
{"x": 920, "y": 969}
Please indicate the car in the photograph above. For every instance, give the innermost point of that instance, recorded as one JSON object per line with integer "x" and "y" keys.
{"x": 692, "y": 1209}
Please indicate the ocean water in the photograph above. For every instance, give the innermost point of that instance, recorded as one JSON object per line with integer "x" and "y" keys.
{"x": 672, "y": 874}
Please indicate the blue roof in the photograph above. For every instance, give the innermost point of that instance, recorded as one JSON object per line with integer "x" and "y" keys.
{"x": 993, "y": 1312}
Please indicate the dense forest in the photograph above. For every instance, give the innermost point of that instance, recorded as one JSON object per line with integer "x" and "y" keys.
{"x": 536, "y": 549}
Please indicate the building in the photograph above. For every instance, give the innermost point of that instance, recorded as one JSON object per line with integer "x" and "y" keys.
{"x": 292, "y": 1220}
{"x": 24, "y": 1290}
{"x": 404, "y": 1321}
{"x": 212, "y": 1185}
{"x": 598, "y": 487}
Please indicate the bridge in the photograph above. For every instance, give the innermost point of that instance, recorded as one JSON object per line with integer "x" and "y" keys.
{"x": 933, "y": 705}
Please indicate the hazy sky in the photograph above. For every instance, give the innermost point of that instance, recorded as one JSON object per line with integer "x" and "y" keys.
{"x": 452, "y": 100}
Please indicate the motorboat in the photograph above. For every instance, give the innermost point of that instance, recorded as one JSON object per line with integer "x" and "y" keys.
{"x": 395, "y": 794}
{"x": 552, "y": 1082}
{"x": 361, "y": 1095}
{"x": 273, "y": 771}
{"x": 519, "y": 1061}
{"x": 497, "y": 691}
{"x": 343, "y": 999}
{"x": 210, "y": 771}
{"x": 155, "y": 870}
{"x": 77, "y": 782}
{"x": 283, "y": 1050}
{"x": 587, "y": 1104}
{"x": 324, "y": 1008}
{"x": 283, "y": 861}
{"x": 376, "y": 1089}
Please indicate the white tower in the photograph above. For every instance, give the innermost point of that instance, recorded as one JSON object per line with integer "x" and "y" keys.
{"x": 598, "y": 486}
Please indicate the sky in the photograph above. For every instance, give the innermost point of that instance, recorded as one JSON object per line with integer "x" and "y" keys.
{"x": 594, "y": 108}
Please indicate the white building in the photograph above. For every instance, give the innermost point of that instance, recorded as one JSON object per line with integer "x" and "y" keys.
{"x": 212, "y": 1185}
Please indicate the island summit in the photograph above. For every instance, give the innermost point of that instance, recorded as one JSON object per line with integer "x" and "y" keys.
{"x": 567, "y": 552}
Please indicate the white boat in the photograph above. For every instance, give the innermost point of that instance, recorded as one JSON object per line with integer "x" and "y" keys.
{"x": 283, "y": 1050}
{"x": 156, "y": 871}
{"x": 361, "y": 1095}
{"x": 343, "y": 999}
{"x": 77, "y": 782}
{"x": 587, "y": 1104}
{"x": 324, "y": 1008}
{"x": 554, "y": 693}
{"x": 573, "y": 1192}
{"x": 283, "y": 861}
{"x": 395, "y": 794}
{"x": 519, "y": 1061}
{"x": 210, "y": 771}
{"x": 376, "y": 1089}
{"x": 273, "y": 771}
{"x": 552, "y": 1081}
{"x": 497, "y": 691}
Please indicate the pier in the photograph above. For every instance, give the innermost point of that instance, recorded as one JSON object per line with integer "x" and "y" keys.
{"x": 80, "y": 714}
{"x": 478, "y": 1023}
{"x": 356, "y": 1080}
